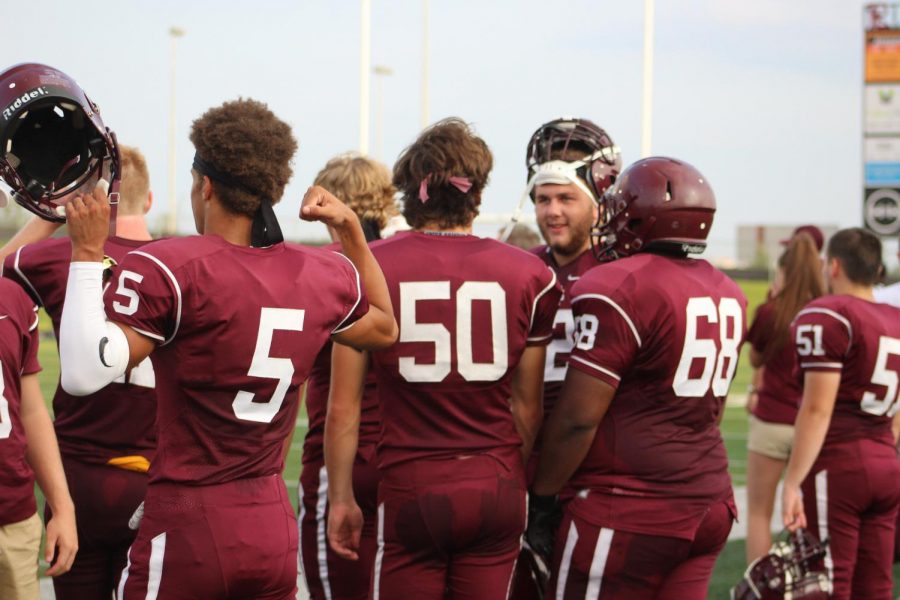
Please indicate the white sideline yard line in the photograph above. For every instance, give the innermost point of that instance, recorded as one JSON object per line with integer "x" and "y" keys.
{"x": 739, "y": 529}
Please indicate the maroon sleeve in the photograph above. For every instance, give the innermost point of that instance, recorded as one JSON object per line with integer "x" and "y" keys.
{"x": 145, "y": 295}
{"x": 606, "y": 338}
{"x": 822, "y": 338}
{"x": 546, "y": 303}
{"x": 760, "y": 333}
{"x": 16, "y": 268}
{"x": 356, "y": 305}
{"x": 30, "y": 363}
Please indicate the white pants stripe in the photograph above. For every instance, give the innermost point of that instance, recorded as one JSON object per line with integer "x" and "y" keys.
{"x": 822, "y": 513}
{"x": 598, "y": 564}
{"x": 379, "y": 556}
{"x": 155, "y": 566}
{"x": 301, "y": 568}
{"x": 120, "y": 592}
{"x": 321, "y": 537}
{"x": 566, "y": 563}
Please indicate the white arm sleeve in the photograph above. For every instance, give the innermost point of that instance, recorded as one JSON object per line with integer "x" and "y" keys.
{"x": 92, "y": 351}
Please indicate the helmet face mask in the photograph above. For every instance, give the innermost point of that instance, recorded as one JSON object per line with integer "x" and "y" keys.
{"x": 657, "y": 203}
{"x": 52, "y": 139}
{"x": 793, "y": 568}
{"x": 598, "y": 162}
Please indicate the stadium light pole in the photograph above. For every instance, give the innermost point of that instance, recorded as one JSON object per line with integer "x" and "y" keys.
{"x": 426, "y": 117}
{"x": 364, "y": 70}
{"x": 381, "y": 71}
{"x": 172, "y": 217}
{"x": 647, "y": 111}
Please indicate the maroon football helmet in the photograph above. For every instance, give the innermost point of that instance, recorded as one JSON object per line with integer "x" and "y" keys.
{"x": 793, "y": 568}
{"x": 52, "y": 138}
{"x": 656, "y": 203}
{"x": 602, "y": 161}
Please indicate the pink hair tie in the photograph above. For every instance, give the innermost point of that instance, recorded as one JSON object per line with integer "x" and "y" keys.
{"x": 461, "y": 183}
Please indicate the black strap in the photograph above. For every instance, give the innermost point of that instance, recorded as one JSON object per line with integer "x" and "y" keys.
{"x": 266, "y": 230}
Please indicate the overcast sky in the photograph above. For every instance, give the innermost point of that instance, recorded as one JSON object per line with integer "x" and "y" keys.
{"x": 763, "y": 97}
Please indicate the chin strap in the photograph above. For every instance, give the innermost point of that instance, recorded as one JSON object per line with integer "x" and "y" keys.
{"x": 113, "y": 206}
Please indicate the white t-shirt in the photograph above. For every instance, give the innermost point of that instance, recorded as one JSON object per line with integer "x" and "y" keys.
{"x": 888, "y": 294}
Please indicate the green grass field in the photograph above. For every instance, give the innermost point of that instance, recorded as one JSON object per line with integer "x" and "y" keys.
{"x": 730, "y": 565}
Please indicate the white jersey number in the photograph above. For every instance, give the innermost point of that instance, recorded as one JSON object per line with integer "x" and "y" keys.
{"x": 5, "y": 421}
{"x": 883, "y": 376}
{"x": 558, "y": 346}
{"x": 435, "y": 333}
{"x": 809, "y": 340}
{"x": 263, "y": 365}
{"x": 131, "y": 295}
{"x": 714, "y": 365}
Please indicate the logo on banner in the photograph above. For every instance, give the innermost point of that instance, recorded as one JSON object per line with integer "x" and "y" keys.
{"x": 881, "y": 211}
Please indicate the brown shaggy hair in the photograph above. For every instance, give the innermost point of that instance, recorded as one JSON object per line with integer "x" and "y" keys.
{"x": 135, "y": 187}
{"x": 246, "y": 141}
{"x": 446, "y": 149}
{"x": 362, "y": 184}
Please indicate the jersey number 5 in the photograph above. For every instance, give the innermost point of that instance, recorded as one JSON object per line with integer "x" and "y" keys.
{"x": 435, "y": 333}
{"x": 883, "y": 376}
{"x": 712, "y": 355}
{"x": 263, "y": 365}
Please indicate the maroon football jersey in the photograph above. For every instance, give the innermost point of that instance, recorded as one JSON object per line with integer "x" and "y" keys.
{"x": 779, "y": 392}
{"x": 317, "y": 387}
{"x": 117, "y": 421}
{"x": 467, "y": 308}
{"x": 18, "y": 356}
{"x": 861, "y": 340}
{"x": 238, "y": 329}
{"x": 665, "y": 332}
{"x": 563, "y": 323}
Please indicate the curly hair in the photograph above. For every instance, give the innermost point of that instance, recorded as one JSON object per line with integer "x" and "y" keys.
{"x": 446, "y": 149}
{"x": 362, "y": 184}
{"x": 135, "y": 187}
{"x": 246, "y": 141}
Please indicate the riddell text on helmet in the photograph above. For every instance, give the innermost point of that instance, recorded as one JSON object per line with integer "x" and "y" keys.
{"x": 22, "y": 101}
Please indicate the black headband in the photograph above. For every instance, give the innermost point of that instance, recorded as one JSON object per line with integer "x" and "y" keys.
{"x": 265, "y": 231}
{"x": 204, "y": 168}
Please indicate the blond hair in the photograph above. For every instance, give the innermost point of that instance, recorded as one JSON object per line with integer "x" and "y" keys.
{"x": 135, "y": 187}
{"x": 362, "y": 184}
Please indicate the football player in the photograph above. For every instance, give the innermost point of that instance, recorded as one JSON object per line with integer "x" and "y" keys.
{"x": 843, "y": 478}
{"x": 233, "y": 318}
{"x": 28, "y": 450}
{"x": 571, "y": 163}
{"x": 460, "y": 393}
{"x": 635, "y": 431}
{"x": 364, "y": 185}
{"x": 107, "y": 439}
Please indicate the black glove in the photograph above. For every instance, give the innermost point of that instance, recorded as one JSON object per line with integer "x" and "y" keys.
{"x": 544, "y": 516}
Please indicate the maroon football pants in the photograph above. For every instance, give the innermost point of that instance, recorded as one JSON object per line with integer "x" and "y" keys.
{"x": 327, "y": 575}
{"x": 854, "y": 506}
{"x": 598, "y": 563}
{"x": 227, "y": 541}
{"x": 450, "y": 528}
{"x": 105, "y": 498}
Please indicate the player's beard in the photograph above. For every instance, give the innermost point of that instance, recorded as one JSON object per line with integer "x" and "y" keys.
{"x": 574, "y": 246}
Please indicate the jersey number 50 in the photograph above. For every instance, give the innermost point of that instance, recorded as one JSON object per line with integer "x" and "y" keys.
{"x": 435, "y": 333}
{"x": 715, "y": 369}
